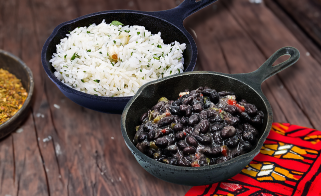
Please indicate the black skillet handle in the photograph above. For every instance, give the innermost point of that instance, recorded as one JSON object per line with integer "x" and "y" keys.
{"x": 183, "y": 10}
{"x": 256, "y": 78}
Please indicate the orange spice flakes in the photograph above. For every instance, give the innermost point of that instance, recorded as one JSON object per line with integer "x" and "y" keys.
{"x": 12, "y": 95}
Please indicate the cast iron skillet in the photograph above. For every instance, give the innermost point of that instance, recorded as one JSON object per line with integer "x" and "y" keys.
{"x": 169, "y": 23}
{"x": 246, "y": 86}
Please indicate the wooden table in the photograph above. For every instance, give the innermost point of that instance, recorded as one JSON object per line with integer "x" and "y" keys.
{"x": 65, "y": 149}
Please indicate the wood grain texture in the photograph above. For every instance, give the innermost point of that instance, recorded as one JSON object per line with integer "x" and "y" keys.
{"x": 307, "y": 14}
{"x": 269, "y": 34}
{"x": 296, "y": 29}
{"x": 65, "y": 149}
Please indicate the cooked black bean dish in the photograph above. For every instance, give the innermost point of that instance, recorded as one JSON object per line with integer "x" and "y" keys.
{"x": 202, "y": 127}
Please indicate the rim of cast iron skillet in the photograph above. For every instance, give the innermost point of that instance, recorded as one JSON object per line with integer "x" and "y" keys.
{"x": 255, "y": 151}
{"x": 25, "y": 105}
{"x": 105, "y": 98}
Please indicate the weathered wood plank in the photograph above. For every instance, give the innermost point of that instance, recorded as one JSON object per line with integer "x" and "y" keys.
{"x": 30, "y": 178}
{"x": 7, "y": 167}
{"x": 307, "y": 14}
{"x": 269, "y": 34}
{"x": 292, "y": 24}
{"x": 28, "y": 172}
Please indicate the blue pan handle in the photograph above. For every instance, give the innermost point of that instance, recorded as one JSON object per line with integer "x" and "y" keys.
{"x": 257, "y": 77}
{"x": 182, "y": 11}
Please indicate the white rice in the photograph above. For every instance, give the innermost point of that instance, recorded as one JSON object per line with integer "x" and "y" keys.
{"x": 83, "y": 63}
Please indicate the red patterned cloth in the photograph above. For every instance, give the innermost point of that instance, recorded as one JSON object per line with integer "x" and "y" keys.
{"x": 289, "y": 163}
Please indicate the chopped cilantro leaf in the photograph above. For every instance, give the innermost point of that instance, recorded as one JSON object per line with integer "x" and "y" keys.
{"x": 97, "y": 81}
{"x": 116, "y": 23}
{"x": 75, "y": 55}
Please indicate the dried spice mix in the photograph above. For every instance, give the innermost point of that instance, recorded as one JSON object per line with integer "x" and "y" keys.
{"x": 12, "y": 95}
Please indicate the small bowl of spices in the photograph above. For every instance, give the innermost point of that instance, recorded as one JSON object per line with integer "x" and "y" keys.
{"x": 16, "y": 89}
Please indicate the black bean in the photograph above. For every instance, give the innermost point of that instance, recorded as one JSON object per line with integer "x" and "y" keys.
{"x": 187, "y": 100}
{"x": 245, "y": 117}
{"x": 245, "y": 145}
{"x": 207, "y": 103}
{"x": 158, "y": 105}
{"x": 188, "y": 130}
{"x": 217, "y": 138}
{"x": 180, "y": 135}
{"x": 232, "y": 109}
{"x": 188, "y": 111}
{"x": 203, "y": 139}
{"x": 183, "y": 162}
{"x": 186, "y": 108}
{"x": 151, "y": 135}
{"x": 250, "y": 109}
{"x": 142, "y": 137}
{"x": 257, "y": 120}
{"x": 143, "y": 117}
{"x": 204, "y": 126}
{"x": 228, "y": 131}
{"x": 184, "y": 120}
{"x": 207, "y": 92}
{"x": 211, "y": 152}
{"x": 165, "y": 121}
{"x": 217, "y": 118}
{"x": 248, "y": 136}
{"x": 197, "y": 107}
{"x": 211, "y": 113}
{"x": 189, "y": 150}
{"x": 158, "y": 133}
{"x": 191, "y": 141}
{"x": 181, "y": 144}
{"x": 261, "y": 114}
{"x": 174, "y": 109}
{"x": 171, "y": 138}
{"x": 172, "y": 148}
{"x": 203, "y": 114}
{"x": 233, "y": 120}
{"x": 232, "y": 141}
{"x": 217, "y": 127}
{"x": 178, "y": 127}
{"x": 214, "y": 97}
{"x": 250, "y": 128}
{"x": 161, "y": 142}
{"x": 177, "y": 102}
{"x": 173, "y": 161}
{"x": 199, "y": 89}
{"x": 143, "y": 146}
{"x": 183, "y": 108}
{"x": 150, "y": 152}
{"x": 148, "y": 126}
{"x": 194, "y": 119}
{"x": 225, "y": 93}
